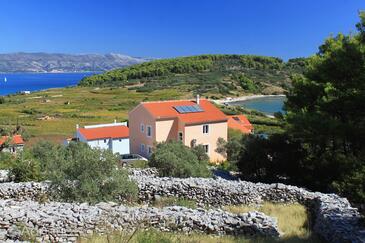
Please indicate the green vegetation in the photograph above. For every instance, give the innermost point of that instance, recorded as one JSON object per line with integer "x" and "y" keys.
{"x": 212, "y": 75}
{"x": 26, "y": 168}
{"x": 261, "y": 123}
{"x": 293, "y": 219}
{"x": 67, "y": 107}
{"x": 77, "y": 172}
{"x": 175, "y": 159}
{"x": 6, "y": 160}
{"x": 174, "y": 201}
{"x": 322, "y": 146}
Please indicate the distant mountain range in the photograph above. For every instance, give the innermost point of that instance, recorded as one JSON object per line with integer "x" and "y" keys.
{"x": 49, "y": 62}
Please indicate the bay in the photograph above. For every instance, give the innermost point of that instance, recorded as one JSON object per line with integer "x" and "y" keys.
{"x": 268, "y": 105}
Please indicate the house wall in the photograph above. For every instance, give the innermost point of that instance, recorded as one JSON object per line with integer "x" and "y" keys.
{"x": 139, "y": 116}
{"x": 216, "y": 130}
{"x": 13, "y": 148}
{"x": 166, "y": 130}
{"x": 120, "y": 145}
{"x": 100, "y": 143}
{"x": 114, "y": 145}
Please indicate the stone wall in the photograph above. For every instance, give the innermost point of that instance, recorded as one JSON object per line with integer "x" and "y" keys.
{"x": 335, "y": 219}
{"x": 64, "y": 222}
{"x": 4, "y": 176}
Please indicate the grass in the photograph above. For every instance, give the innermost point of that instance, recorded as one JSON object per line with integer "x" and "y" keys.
{"x": 140, "y": 164}
{"x": 154, "y": 236}
{"x": 293, "y": 221}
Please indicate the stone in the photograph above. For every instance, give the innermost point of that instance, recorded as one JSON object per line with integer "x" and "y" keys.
{"x": 335, "y": 219}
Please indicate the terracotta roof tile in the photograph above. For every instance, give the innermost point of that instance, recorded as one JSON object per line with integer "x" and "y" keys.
{"x": 166, "y": 110}
{"x": 16, "y": 139}
{"x": 240, "y": 122}
{"x": 104, "y": 132}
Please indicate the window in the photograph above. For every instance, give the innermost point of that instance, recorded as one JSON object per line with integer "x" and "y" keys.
{"x": 104, "y": 140}
{"x": 142, "y": 148}
{"x": 206, "y": 148}
{"x": 149, "y": 148}
{"x": 142, "y": 127}
{"x": 149, "y": 131}
{"x": 205, "y": 128}
{"x": 120, "y": 140}
{"x": 180, "y": 136}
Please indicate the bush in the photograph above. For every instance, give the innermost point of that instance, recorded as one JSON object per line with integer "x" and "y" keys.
{"x": 77, "y": 172}
{"x": 2, "y": 100}
{"x": 91, "y": 175}
{"x": 26, "y": 168}
{"x": 6, "y": 160}
{"x": 177, "y": 160}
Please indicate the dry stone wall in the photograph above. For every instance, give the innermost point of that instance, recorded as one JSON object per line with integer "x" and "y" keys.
{"x": 335, "y": 219}
{"x": 64, "y": 222}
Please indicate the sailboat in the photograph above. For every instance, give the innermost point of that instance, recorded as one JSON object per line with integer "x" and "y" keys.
{"x": 5, "y": 80}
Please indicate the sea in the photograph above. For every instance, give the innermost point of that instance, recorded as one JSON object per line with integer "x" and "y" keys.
{"x": 268, "y": 105}
{"x": 11, "y": 83}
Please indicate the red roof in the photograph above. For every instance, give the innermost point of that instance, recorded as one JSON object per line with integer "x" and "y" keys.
{"x": 104, "y": 132}
{"x": 166, "y": 110}
{"x": 16, "y": 139}
{"x": 240, "y": 122}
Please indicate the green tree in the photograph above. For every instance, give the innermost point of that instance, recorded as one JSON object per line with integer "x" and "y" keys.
{"x": 232, "y": 148}
{"x": 6, "y": 160}
{"x": 175, "y": 159}
{"x": 26, "y": 168}
{"x": 325, "y": 113}
{"x": 91, "y": 175}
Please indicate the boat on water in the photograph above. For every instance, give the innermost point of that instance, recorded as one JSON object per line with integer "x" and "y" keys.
{"x": 5, "y": 80}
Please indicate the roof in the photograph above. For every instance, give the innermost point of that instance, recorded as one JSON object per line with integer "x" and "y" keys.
{"x": 104, "y": 132}
{"x": 16, "y": 139}
{"x": 240, "y": 122}
{"x": 165, "y": 110}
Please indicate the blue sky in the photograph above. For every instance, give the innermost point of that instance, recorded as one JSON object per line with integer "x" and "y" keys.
{"x": 168, "y": 28}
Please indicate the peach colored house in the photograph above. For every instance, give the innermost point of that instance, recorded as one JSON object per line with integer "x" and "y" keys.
{"x": 193, "y": 122}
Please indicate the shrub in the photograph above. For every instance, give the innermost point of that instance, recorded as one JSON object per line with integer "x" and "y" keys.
{"x": 6, "y": 160}
{"x": 2, "y": 100}
{"x": 175, "y": 159}
{"x": 91, "y": 175}
{"x": 26, "y": 168}
{"x": 50, "y": 156}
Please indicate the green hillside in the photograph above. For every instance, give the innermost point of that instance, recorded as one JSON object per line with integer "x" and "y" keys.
{"x": 212, "y": 75}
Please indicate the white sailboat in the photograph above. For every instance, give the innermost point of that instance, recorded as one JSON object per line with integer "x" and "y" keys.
{"x": 5, "y": 80}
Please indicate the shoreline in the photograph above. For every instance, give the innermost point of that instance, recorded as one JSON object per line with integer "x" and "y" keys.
{"x": 229, "y": 100}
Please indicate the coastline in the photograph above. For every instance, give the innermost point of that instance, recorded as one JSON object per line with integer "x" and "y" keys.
{"x": 229, "y": 100}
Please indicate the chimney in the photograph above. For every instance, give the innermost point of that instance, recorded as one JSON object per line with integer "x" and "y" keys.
{"x": 77, "y": 126}
{"x": 197, "y": 99}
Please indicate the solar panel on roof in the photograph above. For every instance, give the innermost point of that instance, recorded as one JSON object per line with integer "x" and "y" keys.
{"x": 188, "y": 108}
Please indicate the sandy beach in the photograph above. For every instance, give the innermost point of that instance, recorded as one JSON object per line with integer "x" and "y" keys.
{"x": 243, "y": 98}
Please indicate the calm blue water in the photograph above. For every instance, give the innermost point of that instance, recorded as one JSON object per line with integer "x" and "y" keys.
{"x": 38, "y": 81}
{"x": 267, "y": 105}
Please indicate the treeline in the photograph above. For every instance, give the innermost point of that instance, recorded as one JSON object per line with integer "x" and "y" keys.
{"x": 188, "y": 65}
{"x": 322, "y": 146}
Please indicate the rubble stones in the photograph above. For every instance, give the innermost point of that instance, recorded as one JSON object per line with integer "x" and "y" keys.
{"x": 64, "y": 222}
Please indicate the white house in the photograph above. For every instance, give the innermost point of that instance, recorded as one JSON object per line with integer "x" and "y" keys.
{"x": 11, "y": 144}
{"x": 113, "y": 136}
